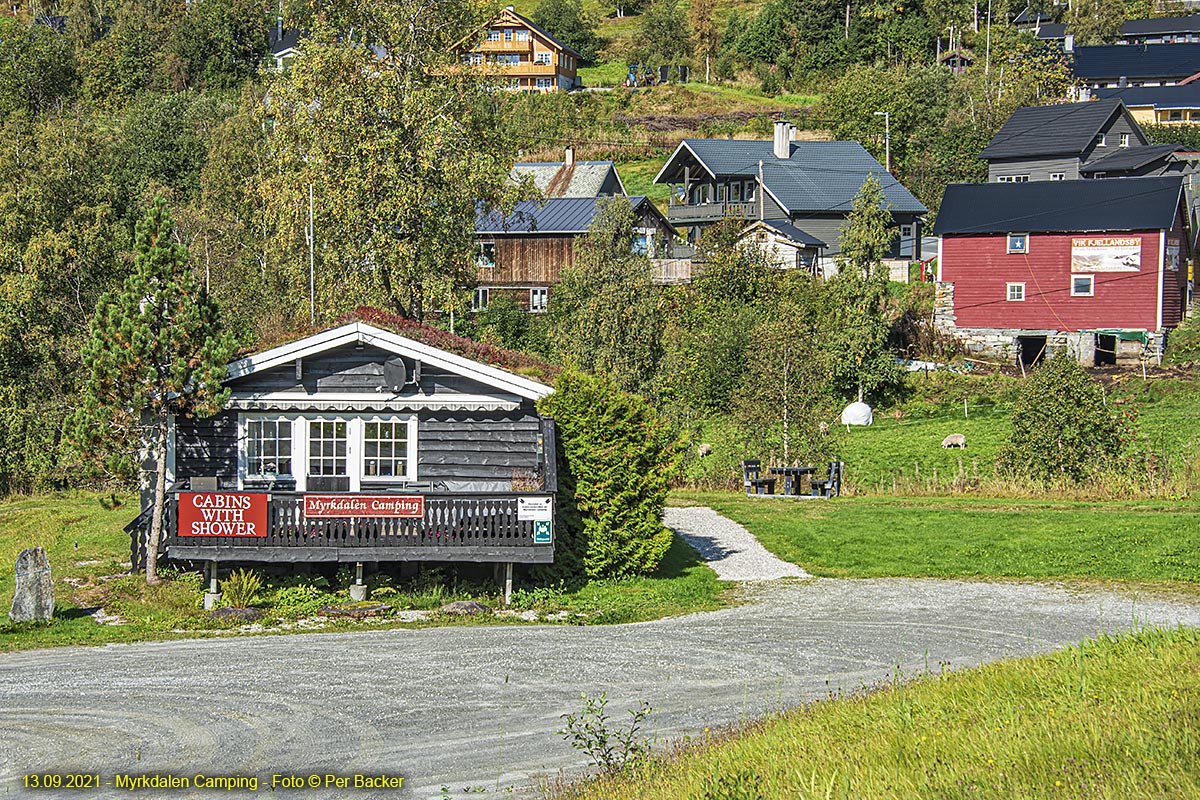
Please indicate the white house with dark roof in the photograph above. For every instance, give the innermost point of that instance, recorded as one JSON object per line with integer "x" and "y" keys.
{"x": 808, "y": 185}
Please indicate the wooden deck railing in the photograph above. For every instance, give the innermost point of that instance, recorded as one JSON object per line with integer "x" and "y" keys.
{"x": 455, "y": 527}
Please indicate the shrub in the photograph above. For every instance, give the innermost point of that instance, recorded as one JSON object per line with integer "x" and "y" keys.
{"x": 621, "y": 456}
{"x": 241, "y": 588}
{"x": 1061, "y": 427}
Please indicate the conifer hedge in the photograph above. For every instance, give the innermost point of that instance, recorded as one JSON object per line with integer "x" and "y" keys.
{"x": 621, "y": 456}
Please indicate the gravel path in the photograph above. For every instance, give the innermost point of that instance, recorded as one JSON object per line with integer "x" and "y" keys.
{"x": 731, "y": 550}
{"x": 469, "y": 707}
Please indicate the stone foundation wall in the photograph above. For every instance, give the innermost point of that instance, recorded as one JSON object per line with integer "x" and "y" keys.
{"x": 1001, "y": 343}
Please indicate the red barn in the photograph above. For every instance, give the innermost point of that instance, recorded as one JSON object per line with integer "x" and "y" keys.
{"x": 1095, "y": 268}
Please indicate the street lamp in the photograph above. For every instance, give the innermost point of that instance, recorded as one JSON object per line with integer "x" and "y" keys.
{"x": 887, "y": 138}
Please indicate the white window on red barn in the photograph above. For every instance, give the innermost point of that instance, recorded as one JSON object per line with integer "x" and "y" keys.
{"x": 1083, "y": 285}
{"x": 1015, "y": 292}
{"x": 1018, "y": 243}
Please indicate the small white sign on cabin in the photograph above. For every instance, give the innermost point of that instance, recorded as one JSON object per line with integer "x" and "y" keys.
{"x": 532, "y": 509}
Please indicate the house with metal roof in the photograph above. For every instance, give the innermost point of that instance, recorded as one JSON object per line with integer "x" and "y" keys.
{"x": 522, "y": 254}
{"x": 809, "y": 185}
{"x": 1160, "y": 30}
{"x": 570, "y": 178}
{"x": 1056, "y": 142}
{"x": 1094, "y": 269}
{"x": 1117, "y": 65}
{"x": 1158, "y": 105}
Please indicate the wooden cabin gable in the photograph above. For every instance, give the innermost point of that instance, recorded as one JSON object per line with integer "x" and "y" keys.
{"x": 358, "y": 370}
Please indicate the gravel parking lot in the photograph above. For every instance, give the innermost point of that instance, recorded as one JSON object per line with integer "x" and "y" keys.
{"x": 479, "y": 706}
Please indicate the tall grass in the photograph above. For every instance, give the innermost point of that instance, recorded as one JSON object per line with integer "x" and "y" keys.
{"x": 1112, "y": 719}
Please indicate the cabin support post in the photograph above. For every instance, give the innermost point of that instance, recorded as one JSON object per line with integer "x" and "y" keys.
{"x": 212, "y": 597}
{"x": 507, "y": 582}
{"x": 358, "y": 592}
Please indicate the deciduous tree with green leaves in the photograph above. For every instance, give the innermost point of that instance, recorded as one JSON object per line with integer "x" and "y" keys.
{"x": 570, "y": 25}
{"x": 1061, "y": 427}
{"x": 156, "y": 350}
{"x": 603, "y": 314}
{"x": 863, "y": 364}
{"x": 398, "y": 140}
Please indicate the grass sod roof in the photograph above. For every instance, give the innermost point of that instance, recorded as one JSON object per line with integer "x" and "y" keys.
{"x": 517, "y": 363}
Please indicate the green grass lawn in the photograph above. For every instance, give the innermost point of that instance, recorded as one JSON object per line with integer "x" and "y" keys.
{"x": 950, "y": 537}
{"x": 1113, "y": 719}
{"x": 89, "y": 559}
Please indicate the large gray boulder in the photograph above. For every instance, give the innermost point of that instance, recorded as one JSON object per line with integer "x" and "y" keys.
{"x": 33, "y": 600}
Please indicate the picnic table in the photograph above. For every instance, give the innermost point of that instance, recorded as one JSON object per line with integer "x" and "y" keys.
{"x": 792, "y": 478}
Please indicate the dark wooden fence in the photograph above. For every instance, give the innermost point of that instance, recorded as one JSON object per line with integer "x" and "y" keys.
{"x": 456, "y": 527}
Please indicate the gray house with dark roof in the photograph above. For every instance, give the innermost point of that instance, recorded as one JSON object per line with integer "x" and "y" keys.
{"x": 1061, "y": 142}
{"x": 810, "y": 185}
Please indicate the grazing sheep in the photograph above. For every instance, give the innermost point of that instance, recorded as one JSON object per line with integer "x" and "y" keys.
{"x": 955, "y": 440}
{"x": 704, "y": 450}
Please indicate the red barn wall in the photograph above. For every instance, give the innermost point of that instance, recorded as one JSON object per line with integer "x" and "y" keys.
{"x": 980, "y": 268}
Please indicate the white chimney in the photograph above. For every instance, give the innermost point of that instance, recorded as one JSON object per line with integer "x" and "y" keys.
{"x": 1069, "y": 43}
{"x": 792, "y": 131}
{"x": 782, "y": 146}
{"x": 569, "y": 160}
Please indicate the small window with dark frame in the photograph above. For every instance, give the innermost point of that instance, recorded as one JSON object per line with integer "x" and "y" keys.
{"x": 1018, "y": 243}
{"x": 1015, "y": 292}
{"x": 1083, "y": 285}
{"x": 1101, "y": 140}
{"x": 1058, "y": 176}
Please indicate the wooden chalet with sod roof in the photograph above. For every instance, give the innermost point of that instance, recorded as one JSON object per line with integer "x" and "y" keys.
{"x": 1095, "y": 269}
{"x": 360, "y": 444}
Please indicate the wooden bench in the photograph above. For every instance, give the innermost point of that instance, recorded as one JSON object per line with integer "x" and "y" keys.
{"x": 752, "y": 480}
{"x": 830, "y": 486}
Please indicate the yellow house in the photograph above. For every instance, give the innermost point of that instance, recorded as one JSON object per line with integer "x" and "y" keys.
{"x": 1159, "y": 105}
{"x": 530, "y": 58}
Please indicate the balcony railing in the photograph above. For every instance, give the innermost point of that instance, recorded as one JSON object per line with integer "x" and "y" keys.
{"x": 454, "y": 527}
{"x": 711, "y": 212}
{"x": 510, "y": 46}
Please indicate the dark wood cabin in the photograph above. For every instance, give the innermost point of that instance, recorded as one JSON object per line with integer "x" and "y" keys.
{"x": 524, "y": 253}
{"x": 358, "y": 444}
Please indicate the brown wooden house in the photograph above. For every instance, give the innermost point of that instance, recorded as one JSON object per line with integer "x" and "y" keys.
{"x": 528, "y": 57}
{"x": 523, "y": 254}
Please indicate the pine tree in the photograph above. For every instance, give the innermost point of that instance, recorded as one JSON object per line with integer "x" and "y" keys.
{"x": 156, "y": 350}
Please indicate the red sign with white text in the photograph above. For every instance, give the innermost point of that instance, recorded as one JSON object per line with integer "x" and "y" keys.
{"x": 341, "y": 506}
{"x": 222, "y": 514}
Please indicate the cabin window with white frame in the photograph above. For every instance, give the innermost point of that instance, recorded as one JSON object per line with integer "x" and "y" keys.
{"x": 750, "y": 187}
{"x": 1012, "y": 179}
{"x": 906, "y": 240}
{"x": 1058, "y": 176}
{"x": 1124, "y": 140}
{"x": 385, "y": 449}
{"x": 493, "y": 36}
{"x": 545, "y": 83}
{"x": 1015, "y": 292}
{"x": 485, "y": 255}
{"x": 1083, "y": 285}
{"x": 720, "y": 193}
{"x": 479, "y": 300}
{"x": 1018, "y": 243}
{"x": 268, "y": 448}
{"x": 735, "y": 193}
{"x": 542, "y": 58}
{"x": 1101, "y": 140}
{"x": 539, "y": 299}
{"x": 508, "y": 34}
{"x": 327, "y": 439}
{"x": 522, "y": 36}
